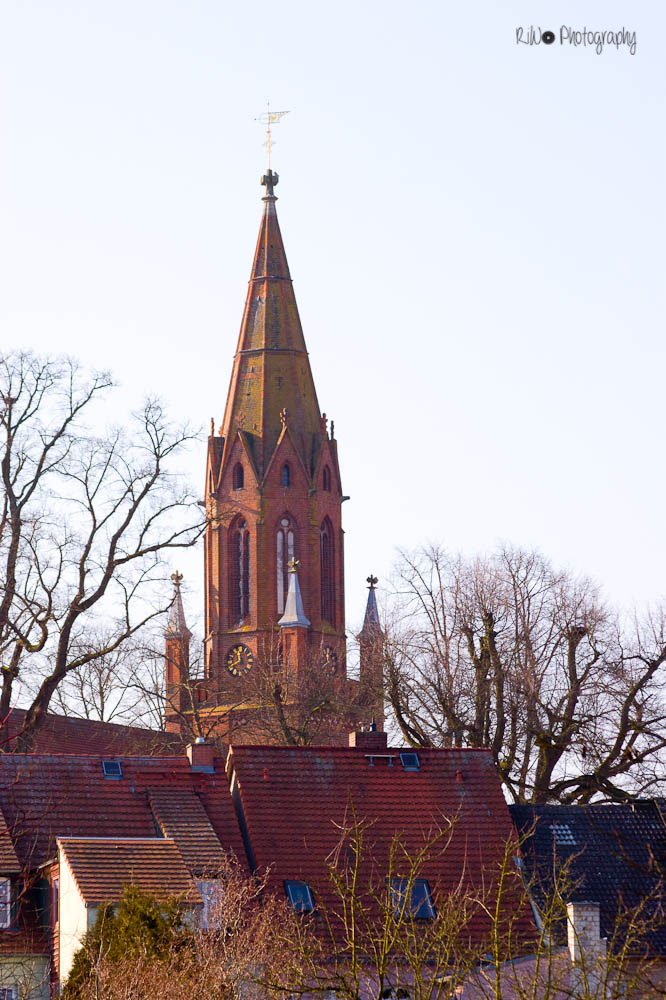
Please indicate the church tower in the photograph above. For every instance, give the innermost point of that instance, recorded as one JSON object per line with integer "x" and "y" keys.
{"x": 273, "y": 495}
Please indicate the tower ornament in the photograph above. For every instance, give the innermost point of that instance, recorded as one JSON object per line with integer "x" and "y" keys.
{"x": 284, "y": 416}
{"x": 177, "y": 578}
{"x": 269, "y": 118}
{"x": 269, "y": 181}
{"x": 324, "y": 423}
{"x": 372, "y": 581}
{"x": 293, "y": 565}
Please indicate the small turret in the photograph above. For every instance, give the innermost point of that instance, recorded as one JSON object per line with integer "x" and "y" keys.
{"x": 294, "y": 624}
{"x": 371, "y": 647}
{"x": 177, "y": 652}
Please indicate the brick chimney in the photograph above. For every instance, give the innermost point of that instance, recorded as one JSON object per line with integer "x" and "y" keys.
{"x": 369, "y": 740}
{"x": 201, "y": 755}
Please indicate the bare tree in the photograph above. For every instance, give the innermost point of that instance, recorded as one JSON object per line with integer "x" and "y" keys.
{"x": 508, "y": 653}
{"x": 86, "y": 521}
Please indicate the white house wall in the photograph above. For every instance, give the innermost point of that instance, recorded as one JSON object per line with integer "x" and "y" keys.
{"x": 73, "y": 919}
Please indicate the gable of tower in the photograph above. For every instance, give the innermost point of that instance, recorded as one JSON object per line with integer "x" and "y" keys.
{"x": 326, "y": 475}
{"x": 213, "y": 462}
{"x": 287, "y": 459}
{"x": 238, "y": 470}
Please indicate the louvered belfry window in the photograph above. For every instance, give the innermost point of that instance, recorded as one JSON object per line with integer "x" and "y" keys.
{"x": 285, "y": 550}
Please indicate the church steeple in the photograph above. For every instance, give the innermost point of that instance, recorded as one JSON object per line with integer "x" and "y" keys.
{"x": 271, "y": 383}
{"x": 273, "y": 490}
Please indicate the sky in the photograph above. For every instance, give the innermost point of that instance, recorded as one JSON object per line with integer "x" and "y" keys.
{"x": 475, "y": 228}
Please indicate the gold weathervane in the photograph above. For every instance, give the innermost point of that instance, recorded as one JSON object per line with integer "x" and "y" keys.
{"x": 270, "y": 118}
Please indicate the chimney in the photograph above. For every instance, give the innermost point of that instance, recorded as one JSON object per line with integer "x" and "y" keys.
{"x": 371, "y": 741}
{"x": 583, "y": 932}
{"x": 201, "y": 756}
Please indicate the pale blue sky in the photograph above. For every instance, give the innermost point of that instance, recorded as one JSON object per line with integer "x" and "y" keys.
{"x": 475, "y": 231}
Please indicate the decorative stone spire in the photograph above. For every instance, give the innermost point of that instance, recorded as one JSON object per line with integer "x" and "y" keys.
{"x": 294, "y": 614}
{"x": 177, "y": 627}
{"x": 371, "y": 626}
{"x": 271, "y": 373}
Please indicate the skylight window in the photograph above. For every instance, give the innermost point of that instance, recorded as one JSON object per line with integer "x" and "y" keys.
{"x": 420, "y": 904}
{"x": 299, "y": 895}
{"x": 112, "y": 769}
{"x": 410, "y": 761}
{"x": 563, "y": 835}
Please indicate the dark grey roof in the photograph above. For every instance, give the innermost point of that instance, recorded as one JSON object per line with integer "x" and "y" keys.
{"x": 616, "y": 855}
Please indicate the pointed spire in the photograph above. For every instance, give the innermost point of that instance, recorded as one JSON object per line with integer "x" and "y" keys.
{"x": 176, "y": 626}
{"x": 271, "y": 368}
{"x": 371, "y": 626}
{"x": 294, "y": 613}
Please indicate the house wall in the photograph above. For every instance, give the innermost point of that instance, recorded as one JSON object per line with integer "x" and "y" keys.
{"x": 73, "y": 920}
{"x": 29, "y": 973}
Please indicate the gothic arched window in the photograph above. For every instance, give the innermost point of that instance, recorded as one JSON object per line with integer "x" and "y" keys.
{"x": 286, "y": 475}
{"x": 285, "y": 550}
{"x": 327, "y": 565}
{"x": 239, "y": 561}
{"x": 238, "y": 477}
{"x": 327, "y": 479}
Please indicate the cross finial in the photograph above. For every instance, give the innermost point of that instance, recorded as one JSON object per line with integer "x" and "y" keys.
{"x": 269, "y": 181}
{"x": 270, "y": 118}
{"x": 284, "y": 416}
{"x": 177, "y": 578}
{"x": 294, "y": 565}
{"x": 373, "y": 581}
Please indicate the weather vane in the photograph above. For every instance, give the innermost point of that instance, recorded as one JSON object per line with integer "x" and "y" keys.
{"x": 270, "y": 118}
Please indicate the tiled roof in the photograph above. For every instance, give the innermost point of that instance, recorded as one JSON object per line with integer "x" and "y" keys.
{"x": 182, "y": 818}
{"x": 295, "y": 801}
{"x": 9, "y": 863}
{"x": 66, "y": 734}
{"x": 103, "y": 867}
{"x": 616, "y": 853}
{"x": 47, "y": 796}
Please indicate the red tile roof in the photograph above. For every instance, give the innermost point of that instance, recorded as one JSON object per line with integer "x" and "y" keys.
{"x": 182, "y": 818}
{"x": 103, "y": 867}
{"x": 9, "y": 863}
{"x": 65, "y": 734}
{"x": 296, "y": 801}
{"x": 47, "y": 796}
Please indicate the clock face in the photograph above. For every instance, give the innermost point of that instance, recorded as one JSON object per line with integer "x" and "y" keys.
{"x": 330, "y": 659}
{"x": 239, "y": 660}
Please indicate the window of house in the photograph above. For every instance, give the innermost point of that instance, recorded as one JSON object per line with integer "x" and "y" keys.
{"x": 238, "y": 477}
{"x": 326, "y": 479}
{"x": 285, "y": 550}
{"x": 410, "y": 761}
{"x": 420, "y": 903}
{"x": 112, "y": 769}
{"x": 239, "y": 560}
{"x": 299, "y": 895}
{"x": 286, "y": 475}
{"x": 8, "y": 992}
{"x": 6, "y": 915}
{"x": 327, "y": 569}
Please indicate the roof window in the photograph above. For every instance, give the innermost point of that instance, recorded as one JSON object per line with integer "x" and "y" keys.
{"x": 421, "y": 905}
{"x": 410, "y": 761}
{"x": 299, "y": 895}
{"x": 563, "y": 835}
{"x": 112, "y": 769}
